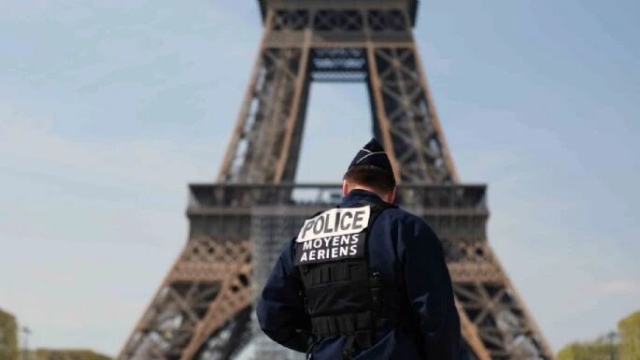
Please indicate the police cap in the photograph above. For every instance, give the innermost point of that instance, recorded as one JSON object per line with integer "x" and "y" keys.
{"x": 372, "y": 154}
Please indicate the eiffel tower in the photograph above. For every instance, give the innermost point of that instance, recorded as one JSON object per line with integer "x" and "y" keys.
{"x": 202, "y": 310}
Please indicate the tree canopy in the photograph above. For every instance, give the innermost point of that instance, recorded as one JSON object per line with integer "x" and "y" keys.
{"x": 49, "y": 354}
{"x": 623, "y": 345}
{"x": 8, "y": 336}
{"x": 629, "y": 329}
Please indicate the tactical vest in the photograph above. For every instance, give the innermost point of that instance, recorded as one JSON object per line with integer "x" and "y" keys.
{"x": 343, "y": 296}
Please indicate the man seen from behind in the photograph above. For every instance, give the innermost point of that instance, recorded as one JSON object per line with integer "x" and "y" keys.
{"x": 365, "y": 280}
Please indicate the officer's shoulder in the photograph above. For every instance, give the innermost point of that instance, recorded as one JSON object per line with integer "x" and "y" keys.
{"x": 400, "y": 214}
{"x": 405, "y": 218}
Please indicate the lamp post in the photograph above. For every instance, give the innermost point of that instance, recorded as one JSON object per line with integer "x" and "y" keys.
{"x": 611, "y": 336}
{"x": 25, "y": 347}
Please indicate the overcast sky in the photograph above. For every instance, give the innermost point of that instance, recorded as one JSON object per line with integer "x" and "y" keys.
{"x": 107, "y": 112}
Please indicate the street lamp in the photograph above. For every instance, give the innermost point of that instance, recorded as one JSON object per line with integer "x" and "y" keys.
{"x": 25, "y": 347}
{"x": 611, "y": 336}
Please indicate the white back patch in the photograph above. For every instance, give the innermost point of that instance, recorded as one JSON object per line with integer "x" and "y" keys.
{"x": 335, "y": 222}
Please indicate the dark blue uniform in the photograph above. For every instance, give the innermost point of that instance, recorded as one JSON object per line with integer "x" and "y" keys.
{"x": 409, "y": 257}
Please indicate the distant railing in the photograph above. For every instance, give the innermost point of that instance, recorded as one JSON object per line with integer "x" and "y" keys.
{"x": 247, "y": 195}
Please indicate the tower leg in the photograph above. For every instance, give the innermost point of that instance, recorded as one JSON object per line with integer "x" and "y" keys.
{"x": 484, "y": 294}
{"x": 207, "y": 291}
{"x": 492, "y": 304}
{"x": 406, "y": 118}
{"x": 266, "y": 141}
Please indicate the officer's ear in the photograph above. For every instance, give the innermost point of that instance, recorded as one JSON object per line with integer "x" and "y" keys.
{"x": 345, "y": 188}
{"x": 391, "y": 196}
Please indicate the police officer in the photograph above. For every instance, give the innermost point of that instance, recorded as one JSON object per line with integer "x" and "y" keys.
{"x": 363, "y": 281}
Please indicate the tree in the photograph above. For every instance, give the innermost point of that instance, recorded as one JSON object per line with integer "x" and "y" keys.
{"x": 48, "y": 354}
{"x": 588, "y": 351}
{"x": 8, "y": 336}
{"x": 629, "y": 329}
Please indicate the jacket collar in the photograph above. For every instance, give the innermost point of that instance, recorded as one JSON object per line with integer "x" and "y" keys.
{"x": 360, "y": 196}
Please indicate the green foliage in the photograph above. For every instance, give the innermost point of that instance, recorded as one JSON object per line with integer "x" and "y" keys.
{"x": 629, "y": 329}
{"x": 8, "y": 337}
{"x": 48, "y": 354}
{"x": 596, "y": 350}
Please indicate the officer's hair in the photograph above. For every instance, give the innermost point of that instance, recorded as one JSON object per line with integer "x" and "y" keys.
{"x": 379, "y": 180}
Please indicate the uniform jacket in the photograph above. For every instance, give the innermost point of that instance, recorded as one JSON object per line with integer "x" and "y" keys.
{"x": 410, "y": 259}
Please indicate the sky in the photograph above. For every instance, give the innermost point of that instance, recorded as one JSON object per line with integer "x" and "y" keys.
{"x": 108, "y": 110}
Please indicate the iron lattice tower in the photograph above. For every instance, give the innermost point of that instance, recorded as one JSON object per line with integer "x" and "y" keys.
{"x": 203, "y": 308}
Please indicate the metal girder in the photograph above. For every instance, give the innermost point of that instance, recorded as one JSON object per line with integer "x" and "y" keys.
{"x": 266, "y": 141}
{"x": 206, "y": 292}
{"x": 408, "y": 6}
{"x": 406, "y": 116}
{"x": 485, "y": 294}
{"x": 270, "y": 122}
{"x": 201, "y": 310}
